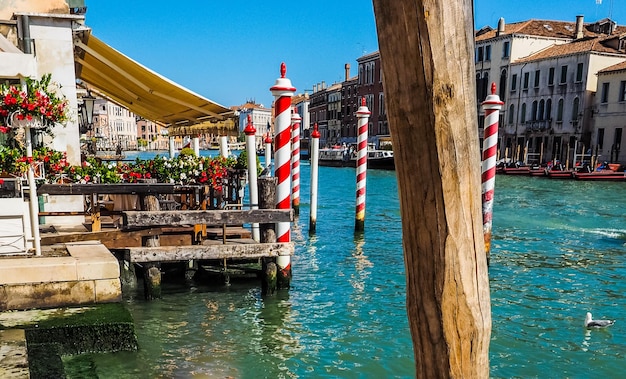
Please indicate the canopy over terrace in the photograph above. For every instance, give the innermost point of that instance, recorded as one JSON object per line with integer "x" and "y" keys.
{"x": 145, "y": 92}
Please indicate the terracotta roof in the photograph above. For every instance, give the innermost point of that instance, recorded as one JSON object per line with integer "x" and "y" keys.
{"x": 542, "y": 28}
{"x": 583, "y": 45}
{"x": 614, "y": 68}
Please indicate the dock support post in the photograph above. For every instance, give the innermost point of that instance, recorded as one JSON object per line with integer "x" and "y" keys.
{"x": 267, "y": 200}
{"x": 315, "y": 152}
{"x": 363, "y": 116}
{"x": 283, "y": 91}
{"x": 295, "y": 161}
{"x": 224, "y": 146}
{"x": 152, "y": 270}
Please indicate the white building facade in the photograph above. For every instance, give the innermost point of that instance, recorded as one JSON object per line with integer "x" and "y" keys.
{"x": 609, "y": 114}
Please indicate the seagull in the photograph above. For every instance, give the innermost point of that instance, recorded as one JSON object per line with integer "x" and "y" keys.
{"x": 590, "y": 323}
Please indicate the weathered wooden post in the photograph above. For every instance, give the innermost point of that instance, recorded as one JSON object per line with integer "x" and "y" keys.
{"x": 295, "y": 161}
{"x": 268, "y": 151}
{"x": 315, "y": 153}
{"x": 267, "y": 200}
{"x": 152, "y": 270}
{"x": 426, "y": 52}
{"x": 250, "y": 132}
{"x": 491, "y": 106}
{"x": 363, "y": 116}
{"x": 283, "y": 91}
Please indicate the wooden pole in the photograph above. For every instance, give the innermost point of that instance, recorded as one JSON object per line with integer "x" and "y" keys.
{"x": 151, "y": 271}
{"x": 426, "y": 52}
{"x": 267, "y": 200}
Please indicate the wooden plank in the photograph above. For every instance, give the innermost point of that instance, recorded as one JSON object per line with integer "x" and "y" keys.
{"x": 209, "y": 217}
{"x": 231, "y": 231}
{"x": 118, "y": 188}
{"x": 95, "y": 236}
{"x": 228, "y": 251}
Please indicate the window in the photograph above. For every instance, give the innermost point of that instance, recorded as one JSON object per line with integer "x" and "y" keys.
{"x": 537, "y": 72}
{"x": 513, "y": 82}
{"x": 549, "y": 109}
{"x": 563, "y": 74}
{"x": 559, "y": 111}
{"x": 488, "y": 52}
{"x": 526, "y": 78}
{"x": 511, "y": 114}
{"x": 533, "y": 114}
{"x": 501, "y": 90}
{"x": 551, "y": 76}
{"x": 579, "y": 72}
{"x": 523, "y": 115}
{"x": 575, "y": 109}
{"x": 605, "y": 93}
{"x": 479, "y": 55}
{"x": 600, "y": 139}
{"x": 506, "y": 47}
{"x": 622, "y": 91}
{"x": 541, "y": 109}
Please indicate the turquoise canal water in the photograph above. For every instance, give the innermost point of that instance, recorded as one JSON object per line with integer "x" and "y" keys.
{"x": 558, "y": 252}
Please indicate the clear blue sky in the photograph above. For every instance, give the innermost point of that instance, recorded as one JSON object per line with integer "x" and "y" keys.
{"x": 230, "y": 51}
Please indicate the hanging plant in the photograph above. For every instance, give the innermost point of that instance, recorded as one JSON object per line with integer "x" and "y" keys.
{"x": 39, "y": 102}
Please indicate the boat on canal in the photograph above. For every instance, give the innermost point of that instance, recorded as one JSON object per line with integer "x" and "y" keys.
{"x": 346, "y": 156}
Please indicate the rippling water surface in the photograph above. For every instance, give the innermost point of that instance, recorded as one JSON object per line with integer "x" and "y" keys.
{"x": 558, "y": 252}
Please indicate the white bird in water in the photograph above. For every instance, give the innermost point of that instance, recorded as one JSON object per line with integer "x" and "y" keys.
{"x": 591, "y": 323}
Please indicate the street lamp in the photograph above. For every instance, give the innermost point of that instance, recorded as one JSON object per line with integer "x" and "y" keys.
{"x": 86, "y": 111}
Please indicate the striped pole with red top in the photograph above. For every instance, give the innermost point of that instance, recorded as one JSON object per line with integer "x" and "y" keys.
{"x": 283, "y": 91}
{"x": 253, "y": 189}
{"x": 363, "y": 115}
{"x": 315, "y": 152}
{"x": 491, "y": 106}
{"x": 268, "y": 151}
{"x": 295, "y": 161}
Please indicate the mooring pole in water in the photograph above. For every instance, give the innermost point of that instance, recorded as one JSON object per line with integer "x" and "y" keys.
{"x": 283, "y": 92}
{"x": 295, "y": 161}
{"x": 315, "y": 152}
{"x": 363, "y": 115}
{"x": 253, "y": 189}
{"x": 196, "y": 145}
{"x": 491, "y": 106}
{"x": 224, "y": 146}
{"x": 151, "y": 270}
{"x": 172, "y": 147}
{"x": 268, "y": 151}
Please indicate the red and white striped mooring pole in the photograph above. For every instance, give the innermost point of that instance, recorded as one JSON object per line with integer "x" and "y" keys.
{"x": 283, "y": 91}
{"x": 491, "y": 106}
{"x": 315, "y": 153}
{"x": 363, "y": 115}
{"x": 295, "y": 161}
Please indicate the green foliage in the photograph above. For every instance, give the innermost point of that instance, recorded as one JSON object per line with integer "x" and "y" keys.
{"x": 242, "y": 162}
{"x": 187, "y": 151}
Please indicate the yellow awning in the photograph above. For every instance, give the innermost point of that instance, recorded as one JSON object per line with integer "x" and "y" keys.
{"x": 223, "y": 128}
{"x": 140, "y": 89}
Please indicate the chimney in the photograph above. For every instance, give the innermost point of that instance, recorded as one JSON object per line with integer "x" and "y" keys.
{"x": 323, "y": 84}
{"x": 500, "y": 26}
{"x": 579, "y": 27}
{"x": 347, "y": 67}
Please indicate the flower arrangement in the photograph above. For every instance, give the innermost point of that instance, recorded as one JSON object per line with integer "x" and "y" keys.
{"x": 39, "y": 102}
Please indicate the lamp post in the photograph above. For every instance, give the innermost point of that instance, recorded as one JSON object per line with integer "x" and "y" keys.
{"x": 86, "y": 117}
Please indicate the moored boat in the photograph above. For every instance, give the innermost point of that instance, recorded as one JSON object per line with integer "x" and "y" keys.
{"x": 344, "y": 156}
{"x": 602, "y": 175}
